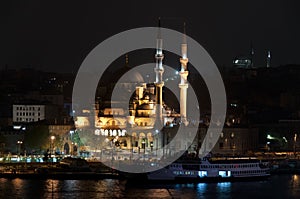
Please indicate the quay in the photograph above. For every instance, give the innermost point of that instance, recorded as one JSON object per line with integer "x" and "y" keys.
{"x": 49, "y": 170}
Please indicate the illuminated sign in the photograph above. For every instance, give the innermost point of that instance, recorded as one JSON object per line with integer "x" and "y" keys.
{"x": 110, "y": 132}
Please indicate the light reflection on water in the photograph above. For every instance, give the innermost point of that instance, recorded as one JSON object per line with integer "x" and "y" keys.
{"x": 295, "y": 184}
{"x": 284, "y": 186}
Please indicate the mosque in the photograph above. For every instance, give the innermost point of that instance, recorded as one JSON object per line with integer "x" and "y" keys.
{"x": 147, "y": 120}
{"x": 138, "y": 128}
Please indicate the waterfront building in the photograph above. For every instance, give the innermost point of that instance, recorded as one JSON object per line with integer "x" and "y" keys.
{"x": 140, "y": 126}
{"x": 29, "y": 112}
{"x": 233, "y": 141}
{"x": 63, "y": 132}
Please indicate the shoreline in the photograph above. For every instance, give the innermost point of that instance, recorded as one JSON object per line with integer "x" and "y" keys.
{"x": 99, "y": 171}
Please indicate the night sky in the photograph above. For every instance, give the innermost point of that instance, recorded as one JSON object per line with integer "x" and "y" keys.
{"x": 57, "y": 35}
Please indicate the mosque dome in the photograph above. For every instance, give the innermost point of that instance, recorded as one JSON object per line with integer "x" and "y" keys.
{"x": 129, "y": 74}
{"x": 132, "y": 77}
{"x": 150, "y": 96}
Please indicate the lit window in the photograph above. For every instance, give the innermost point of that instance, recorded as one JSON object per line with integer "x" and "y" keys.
{"x": 202, "y": 173}
{"x": 224, "y": 173}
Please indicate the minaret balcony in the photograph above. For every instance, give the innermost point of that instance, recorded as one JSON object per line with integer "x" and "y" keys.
{"x": 159, "y": 56}
{"x": 183, "y": 85}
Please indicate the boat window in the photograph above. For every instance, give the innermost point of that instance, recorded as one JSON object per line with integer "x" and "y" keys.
{"x": 202, "y": 173}
{"x": 225, "y": 173}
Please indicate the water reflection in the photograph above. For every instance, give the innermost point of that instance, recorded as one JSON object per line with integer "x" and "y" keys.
{"x": 82, "y": 188}
{"x": 295, "y": 181}
{"x": 202, "y": 187}
{"x": 281, "y": 186}
{"x": 224, "y": 186}
{"x": 295, "y": 185}
{"x": 201, "y": 190}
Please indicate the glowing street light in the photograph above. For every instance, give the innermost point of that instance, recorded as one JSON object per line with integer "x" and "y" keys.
{"x": 51, "y": 145}
{"x": 19, "y": 142}
{"x": 71, "y": 133}
{"x": 295, "y": 140}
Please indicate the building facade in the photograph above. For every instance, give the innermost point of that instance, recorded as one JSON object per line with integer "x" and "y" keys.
{"x": 28, "y": 113}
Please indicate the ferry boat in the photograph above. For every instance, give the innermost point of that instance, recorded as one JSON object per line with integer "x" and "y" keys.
{"x": 206, "y": 169}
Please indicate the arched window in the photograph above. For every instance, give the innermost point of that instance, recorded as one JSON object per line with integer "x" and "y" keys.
{"x": 142, "y": 135}
{"x": 150, "y": 137}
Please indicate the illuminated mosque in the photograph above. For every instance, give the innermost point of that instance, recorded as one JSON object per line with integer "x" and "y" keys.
{"x": 135, "y": 128}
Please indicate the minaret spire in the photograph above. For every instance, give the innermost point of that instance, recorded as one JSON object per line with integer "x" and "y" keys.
{"x": 269, "y": 59}
{"x": 159, "y": 22}
{"x": 159, "y": 70}
{"x": 184, "y": 34}
{"x": 126, "y": 61}
{"x": 183, "y": 85}
{"x": 252, "y": 55}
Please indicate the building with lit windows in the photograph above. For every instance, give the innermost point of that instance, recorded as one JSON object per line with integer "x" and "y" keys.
{"x": 31, "y": 112}
{"x": 28, "y": 113}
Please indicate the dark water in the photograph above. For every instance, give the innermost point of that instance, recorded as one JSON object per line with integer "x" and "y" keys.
{"x": 281, "y": 186}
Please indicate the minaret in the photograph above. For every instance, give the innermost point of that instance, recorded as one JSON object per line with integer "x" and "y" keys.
{"x": 126, "y": 61}
{"x": 159, "y": 70}
{"x": 252, "y": 55}
{"x": 269, "y": 59}
{"x": 183, "y": 79}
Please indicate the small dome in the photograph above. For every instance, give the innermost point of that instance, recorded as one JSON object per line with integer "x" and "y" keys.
{"x": 144, "y": 107}
{"x": 132, "y": 77}
{"x": 151, "y": 96}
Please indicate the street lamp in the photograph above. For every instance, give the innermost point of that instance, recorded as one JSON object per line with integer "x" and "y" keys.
{"x": 295, "y": 140}
{"x": 19, "y": 142}
{"x": 51, "y": 145}
{"x": 71, "y": 134}
{"x": 232, "y": 143}
{"x": 267, "y": 146}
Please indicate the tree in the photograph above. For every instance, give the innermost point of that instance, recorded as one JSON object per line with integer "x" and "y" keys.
{"x": 37, "y": 138}
{"x": 2, "y": 144}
